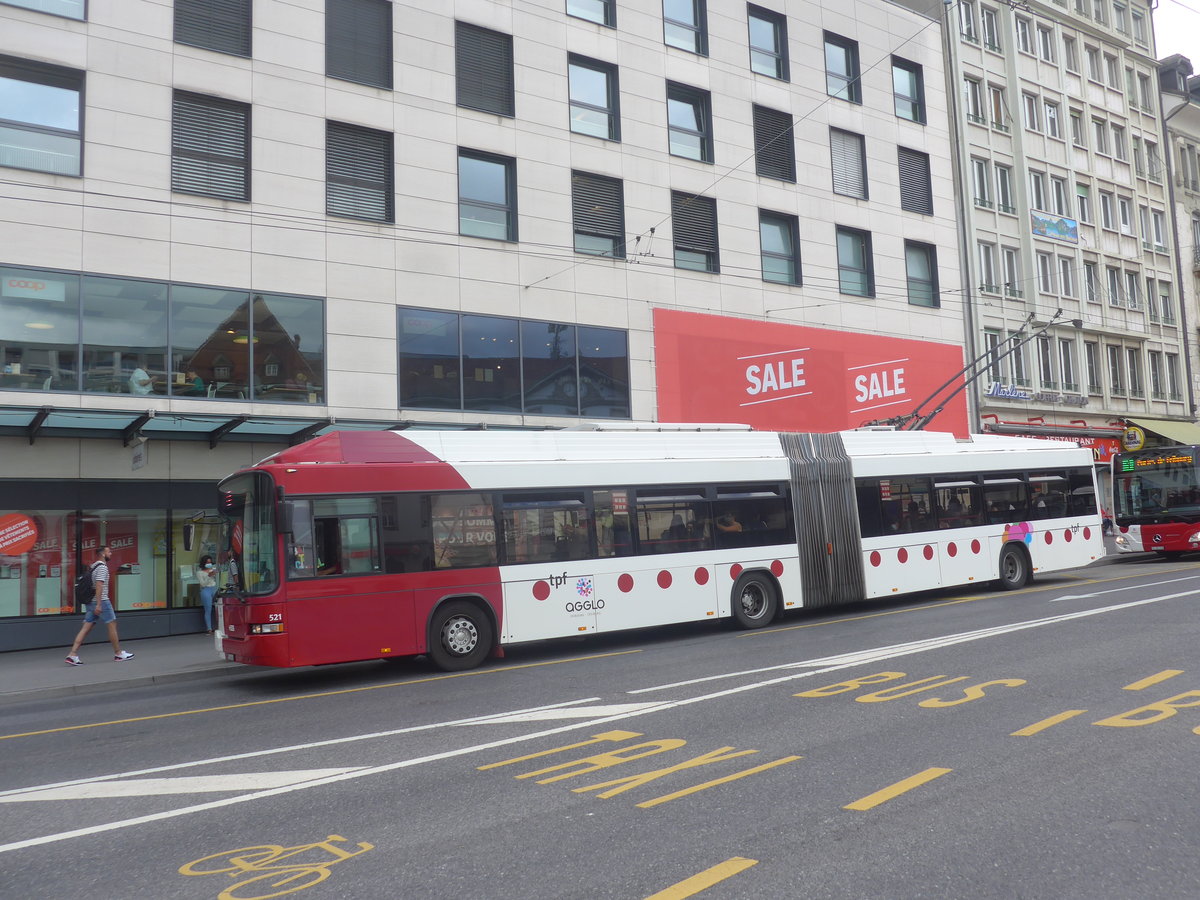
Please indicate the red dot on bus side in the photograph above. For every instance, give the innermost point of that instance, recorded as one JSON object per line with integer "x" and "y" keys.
{"x": 876, "y": 559}
{"x": 735, "y": 570}
{"x": 1067, "y": 535}
{"x": 776, "y": 568}
{"x": 975, "y": 546}
{"x": 1124, "y": 529}
{"x": 928, "y": 552}
{"x": 625, "y": 583}
{"x": 1049, "y": 537}
{"x": 664, "y": 579}
{"x": 902, "y": 554}
{"x": 702, "y": 575}
{"x": 1087, "y": 533}
{"x": 541, "y": 590}
{"x": 952, "y": 549}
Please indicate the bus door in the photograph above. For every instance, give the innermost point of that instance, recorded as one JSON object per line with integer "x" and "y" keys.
{"x": 827, "y": 528}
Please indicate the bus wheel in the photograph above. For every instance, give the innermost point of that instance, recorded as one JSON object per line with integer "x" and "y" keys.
{"x": 1014, "y": 569}
{"x": 754, "y": 601}
{"x": 460, "y": 636}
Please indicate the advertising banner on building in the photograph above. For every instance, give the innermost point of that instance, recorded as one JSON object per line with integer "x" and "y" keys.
{"x": 795, "y": 378}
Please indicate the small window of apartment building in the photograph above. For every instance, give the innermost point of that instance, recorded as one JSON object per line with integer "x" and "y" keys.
{"x": 920, "y": 262}
{"x": 908, "y": 86}
{"x": 210, "y": 146}
{"x": 841, "y": 68}
{"x": 848, "y": 155}
{"x": 68, "y": 9}
{"x": 598, "y": 214}
{"x": 42, "y": 111}
{"x": 768, "y": 42}
{"x": 359, "y": 172}
{"x": 220, "y": 25}
{"x": 916, "y": 186}
{"x": 856, "y": 269}
{"x": 483, "y": 69}
{"x": 779, "y": 244}
{"x": 689, "y": 122}
{"x": 602, "y": 12}
{"x": 685, "y": 25}
{"x": 1083, "y": 199}
{"x": 487, "y": 195}
{"x": 594, "y": 97}
{"x": 774, "y": 144}
{"x": 694, "y": 230}
{"x": 358, "y": 41}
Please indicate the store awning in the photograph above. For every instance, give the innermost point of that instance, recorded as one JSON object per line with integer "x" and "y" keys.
{"x": 1180, "y": 432}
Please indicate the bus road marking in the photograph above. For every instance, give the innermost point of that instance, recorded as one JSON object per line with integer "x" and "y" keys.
{"x": 1031, "y": 730}
{"x": 900, "y": 787}
{"x": 702, "y": 881}
{"x": 1151, "y": 680}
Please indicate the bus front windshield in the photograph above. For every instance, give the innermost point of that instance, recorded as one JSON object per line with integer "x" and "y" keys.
{"x": 248, "y": 507}
{"x": 1158, "y": 489}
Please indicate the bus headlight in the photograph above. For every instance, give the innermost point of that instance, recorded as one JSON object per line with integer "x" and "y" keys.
{"x": 1121, "y": 540}
{"x": 1194, "y": 539}
{"x": 273, "y": 628}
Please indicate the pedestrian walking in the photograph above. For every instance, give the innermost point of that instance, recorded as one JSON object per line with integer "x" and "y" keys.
{"x": 99, "y": 608}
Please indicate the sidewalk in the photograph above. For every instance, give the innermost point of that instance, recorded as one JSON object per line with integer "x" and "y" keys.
{"x": 30, "y": 674}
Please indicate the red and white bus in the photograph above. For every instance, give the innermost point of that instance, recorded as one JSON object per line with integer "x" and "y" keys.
{"x": 1156, "y": 498}
{"x": 366, "y": 545}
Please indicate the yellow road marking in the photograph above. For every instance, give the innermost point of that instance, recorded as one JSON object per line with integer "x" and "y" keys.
{"x": 667, "y": 798}
{"x": 372, "y": 687}
{"x": 900, "y": 787}
{"x": 1030, "y": 730}
{"x": 702, "y": 881}
{"x": 1153, "y": 679}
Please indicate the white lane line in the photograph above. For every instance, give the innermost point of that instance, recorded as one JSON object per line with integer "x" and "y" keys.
{"x": 885, "y": 653}
{"x": 546, "y": 715}
{"x": 194, "y": 784}
{"x": 1119, "y": 589}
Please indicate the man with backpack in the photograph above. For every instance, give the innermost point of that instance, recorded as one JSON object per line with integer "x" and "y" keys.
{"x": 100, "y": 608}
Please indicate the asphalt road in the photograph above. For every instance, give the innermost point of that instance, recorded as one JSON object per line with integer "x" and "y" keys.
{"x": 1033, "y": 744}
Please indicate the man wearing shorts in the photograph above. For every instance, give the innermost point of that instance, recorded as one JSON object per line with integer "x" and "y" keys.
{"x": 99, "y": 608}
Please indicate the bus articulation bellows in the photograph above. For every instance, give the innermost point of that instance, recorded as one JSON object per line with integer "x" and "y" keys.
{"x": 367, "y": 545}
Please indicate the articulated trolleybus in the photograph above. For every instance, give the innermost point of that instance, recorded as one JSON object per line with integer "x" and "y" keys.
{"x": 1156, "y": 494}
{"x": 367, "y": 545}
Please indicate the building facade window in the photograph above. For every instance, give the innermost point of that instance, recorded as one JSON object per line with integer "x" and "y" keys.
{"x": 916, "y": 185}
{"x": 68, "y": 9}
{"x": 987, "y": 268}
{"x": 694, "y": 226}
{"x": 689, "y": 122}
{"x": 1037, "y": 190}
{"x": 768, "y": 42}
{"x": 602, "y": 12}
{"x": 991, "y": 342}
{"x": 1029, "y": 113}
{"x": 1010, "y": 264}
{"x": 1050, "y": 113}
{"x": 1091, "y": 356}
{"x": 359, "y": 172}
{"x": 1083, "y": 199}
{"x": 841, "y": 68}
{"x": 974, "y": 100}
{"x": 920, "y": 262}
{"x": 908, "y": 88}
{"x": 1004, "y": 194}
{"x": 1107, "y": 215}
{"x": 685, "y": 25}
{"x": 1066, "y": 276}
{"x": 598, "y": 214}
{"x": 221, "y": 25}
{"x": 487, "y": 195}
{"x": 1133, "y": 359}
{"x": 1070, "y": 54}
{"x": 1046, "y": 373}
{"x": 981, "y": 179}
{"x": 358, "y": 41}
{"x": 595, "y": 94}
{"x": 1045, "y": 40}
{"x": 774, "y": 144}
{"x": 1024, "y": 41}
{"x": 1059, "y": 202}
{"x": 1173, "y": 392}
{"x": 991, "y": 28}
{"x": 779, "y": 242}
{"x": 1045, "y": 270}
{"x": 41, "y": 117}
{"x": 848, "y": 156}
{"x": 1091, "y": 282}
{"x": 1155, "y": 368}
{"x": 1066, "y": 364}
{"x": 1116, "y": 370}
{"x": 856, "y": 268}
{"x": 210, "y": 146}
{"x": 483, "y": 70}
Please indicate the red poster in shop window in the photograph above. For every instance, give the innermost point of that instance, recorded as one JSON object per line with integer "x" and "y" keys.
{"x": 18, "y": 534}
{"x": 795, "y": 378}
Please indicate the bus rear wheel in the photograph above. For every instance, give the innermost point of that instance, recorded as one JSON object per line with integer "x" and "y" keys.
{"x": 1014, "y": 569}
{"x": 754, "y": 601}
{"x": 460, "y": 636}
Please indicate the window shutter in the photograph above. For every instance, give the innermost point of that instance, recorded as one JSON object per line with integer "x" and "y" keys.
{"x": 597, "y": 207}
{"x": 846, "y": 153}
{"x": 358, "y": 41}
{"x": 221, "y": 25}
{"x": 774, "y": 144}
{"x": 916, "y": 194}
{"x": 210, "y": 146}
{"x": 358, "y": 172}
{"x": 483, "y": 69}
{"x": 694, "y": 220}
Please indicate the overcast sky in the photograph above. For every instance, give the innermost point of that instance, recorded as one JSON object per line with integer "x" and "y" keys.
{"x": 1177, "y": 30}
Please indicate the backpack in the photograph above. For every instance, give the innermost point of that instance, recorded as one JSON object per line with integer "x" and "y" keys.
{"x": 85, "y": 588}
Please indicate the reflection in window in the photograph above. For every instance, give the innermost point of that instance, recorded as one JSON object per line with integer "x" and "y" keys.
{"x": 210, "y": 336}
{"x": 603, "y": 373}
{"x": 41, "y": 124}
{"x": 288, "y": 349}
{"x": 39, "y": 330}
{"x": 855, "y": 268}
{"x": 599, "y": 11}
{"x": 841, "y": 68}
{"x": 685, "y": 26}
{"x": 464, "y": 532}
{"x": 594, "y": 93}
{"x": 549, "y": 368}
{"x": 778, "y": 241}
{"x": 491, "y": 364}
{"x": 768, "y": 42}
{"x": 429, "y": 360}
{"x": 125, "y": 336}
{"x": 545, "y": 527}
{"x": 487, "y": 204}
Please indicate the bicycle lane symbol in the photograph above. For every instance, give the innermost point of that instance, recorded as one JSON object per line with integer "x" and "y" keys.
{"x": 281, "y": 870}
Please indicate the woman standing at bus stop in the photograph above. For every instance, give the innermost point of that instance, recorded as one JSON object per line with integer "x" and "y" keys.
{"x": 206, "y": 577}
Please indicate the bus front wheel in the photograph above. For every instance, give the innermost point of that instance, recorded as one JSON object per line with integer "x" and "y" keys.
{"x": 460, "y": 636}
{"x": 754, "y": 601}
{"x": 1014, "y": 569}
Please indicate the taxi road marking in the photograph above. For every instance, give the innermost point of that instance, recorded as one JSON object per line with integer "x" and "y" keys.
{"x": 194, "y": 784}
{"x": 1030, "y": 730}
{"x": 704, "y": 880}
{"x": 1153, "y": 679}
{"x": 900, "y": 787}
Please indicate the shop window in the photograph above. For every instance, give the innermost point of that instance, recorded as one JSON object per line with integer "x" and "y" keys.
{"x": 125, "y": 337}
{"x": 549, "y": 367}
{"x": 491, "y": 364}
{"x": 39, "y": 330}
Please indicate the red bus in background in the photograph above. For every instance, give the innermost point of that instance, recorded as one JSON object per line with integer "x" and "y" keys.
{"x": 368, "y": 545}
{"x": 1156, "y": 495}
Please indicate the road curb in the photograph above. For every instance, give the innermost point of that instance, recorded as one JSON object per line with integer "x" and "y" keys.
{"x": 10, "y": 697}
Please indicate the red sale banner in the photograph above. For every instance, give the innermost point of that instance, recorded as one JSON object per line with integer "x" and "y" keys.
{"x": 18, "y": 534}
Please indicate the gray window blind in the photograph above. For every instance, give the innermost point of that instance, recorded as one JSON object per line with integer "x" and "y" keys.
{"x": 849, "y": 163}
{"x": 358, "y": 172}
{"x": 598, "y": 207}
{"x": 221, "y": 25}
{"x": 210, "y": 146}
{"x": 694, "y": 220}
{"x": 358, "y": 41}
{"x": 483, "y": 61}
{"x": 916, "y": 193}
{"x": 774, "y": 146}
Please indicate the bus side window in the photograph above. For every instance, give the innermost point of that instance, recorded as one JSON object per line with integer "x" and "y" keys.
{"x": 301, "y": 550}
{"x": 876, "y": 517}
{"x": 464, "y": 531}
{"x": 407, "y": 542}
{"x": 1005, "y": 499}
{"x": 613, "y": 536}
{"x": 346, "y": 535}
{"x": 328, "y": 544}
